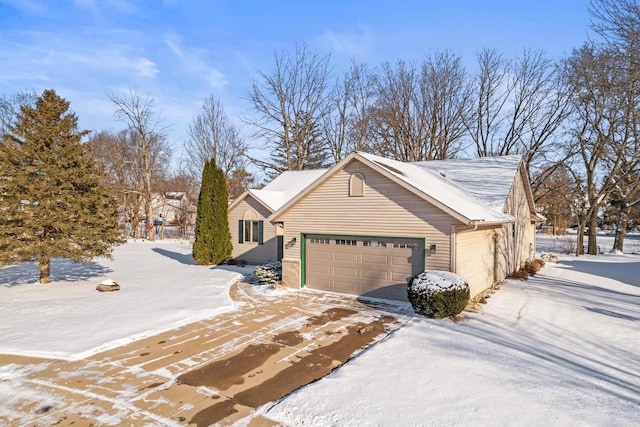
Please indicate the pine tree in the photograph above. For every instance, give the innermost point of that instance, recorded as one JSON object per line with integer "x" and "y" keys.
{"x": 52, "y": 197}
{"x": 212, "y": 243}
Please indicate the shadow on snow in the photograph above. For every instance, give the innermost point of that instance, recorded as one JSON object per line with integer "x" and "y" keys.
{"x": 62, "y": 270}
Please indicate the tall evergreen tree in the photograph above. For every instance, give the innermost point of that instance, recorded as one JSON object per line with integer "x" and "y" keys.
{"x": 212, "y": 243}
{"x": 52, "y": 197}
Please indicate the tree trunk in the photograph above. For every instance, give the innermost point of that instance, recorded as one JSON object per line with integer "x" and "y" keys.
{"x": 149, "y": 211}
{"x": 44, "y": 264}
{"x": 580, "y": 239}
{"x": 135, "y": 225}
{"x": 593, "y": 230}
{"x": 621, "y": 228}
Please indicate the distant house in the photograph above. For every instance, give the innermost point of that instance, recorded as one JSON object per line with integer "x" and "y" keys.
{"x": 367, "y": 224}
{"x": 172, "y": 207}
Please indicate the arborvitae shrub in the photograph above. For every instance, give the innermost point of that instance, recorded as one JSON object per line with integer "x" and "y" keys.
{"x": 212, "y": 243}
{"x": 438, "y": 294}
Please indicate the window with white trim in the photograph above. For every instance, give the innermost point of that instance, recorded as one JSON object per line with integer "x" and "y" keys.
{"x": 344, "y": 242}
{"x": 374, "y": 244}
{"x": 406, "y": 245}
{"x": 250, "y": 228}
{"x": 319, "y": 241}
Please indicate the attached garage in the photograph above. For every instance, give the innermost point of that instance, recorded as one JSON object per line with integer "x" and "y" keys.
{"x": 376, "y": 267}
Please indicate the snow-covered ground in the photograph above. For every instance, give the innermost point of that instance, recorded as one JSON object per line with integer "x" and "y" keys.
{"x": 161, "y": 289}
{"x": 561, "y": 349}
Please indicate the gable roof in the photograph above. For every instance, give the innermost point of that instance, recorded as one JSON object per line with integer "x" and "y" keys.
{"x": 445, "y": 192}
{"x": 282, "y": 189}
{"x": 427, "y": 184}
{"x": 488, "y": 179}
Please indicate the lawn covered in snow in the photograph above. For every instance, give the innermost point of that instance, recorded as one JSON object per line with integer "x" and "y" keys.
{"x": 162, "y": 288}
{"x": 561, "y": 349}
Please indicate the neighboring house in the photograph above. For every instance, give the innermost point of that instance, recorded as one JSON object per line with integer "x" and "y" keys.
{"x": 173, "y": 206}
{"x": 369, "y": 223}
{"x": 256, "y": 239}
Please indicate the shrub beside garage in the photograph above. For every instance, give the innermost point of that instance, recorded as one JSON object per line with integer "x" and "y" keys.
{"x": 438, "y": 294}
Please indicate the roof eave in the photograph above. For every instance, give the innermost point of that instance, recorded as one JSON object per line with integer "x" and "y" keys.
{"x": 244, "y": 196}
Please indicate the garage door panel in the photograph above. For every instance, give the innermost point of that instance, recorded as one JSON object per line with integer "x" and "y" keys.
{"x": 373, "y": 267}
{"x": 322, "y": 283}
{"x": 345, "y": 256}
{"x": 345, "y": 271}
{"x": 377, "y": 266}
{"x": 319, "y": 269}
{"x": 345, "y": 286}
{"x": 318, "y": 254}
{"x": 401, "y": 276}
{"x": 401, "y": 260}
{"x": 396, "y": 292}
{"x": 375, "y": 259}
{"x": 373, "y": 274}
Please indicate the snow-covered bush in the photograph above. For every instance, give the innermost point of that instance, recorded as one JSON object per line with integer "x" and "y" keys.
{"x": 438, "y": 294}
{"x": 269, "y": 273}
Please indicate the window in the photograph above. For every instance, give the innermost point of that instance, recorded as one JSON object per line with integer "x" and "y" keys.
{"x": 405, "y": 245}
{"x": 342, "y": 242}
{"x": 319, "y": 241}
{"x": 374, "y": 244}
{"x": 250, "y": 229}
{"x": 356, "y": 185}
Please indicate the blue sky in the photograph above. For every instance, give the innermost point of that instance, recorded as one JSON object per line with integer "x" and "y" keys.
{"x": 179, "y": 52}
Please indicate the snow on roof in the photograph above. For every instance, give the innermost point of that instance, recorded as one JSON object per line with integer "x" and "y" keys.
{"x": 442, "y": 187}
{"x": 488, "y": 179}
{"x": 286, "y": 186}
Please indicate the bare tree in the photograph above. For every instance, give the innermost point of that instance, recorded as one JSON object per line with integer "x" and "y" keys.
{"x": 289, "y": 105}
{"x": 618, "y": 24}
{"x": 213, "y": 136}
{"x": 520, "y": 107}
{"x": 603, "y": 129}
{"x": 345, "y": 127}
{"x": 149, "y": 148}
{"x": 420, "y": 112}
{"x": 492, "y": 87}
{"x": 9, "y": 107}
{"x": 556, "y": 196}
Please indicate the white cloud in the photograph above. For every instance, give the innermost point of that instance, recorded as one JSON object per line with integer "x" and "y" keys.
{"x": 194, "y": 61}
{"x": 47, "y": 55}
{"x": 349, "y": 43}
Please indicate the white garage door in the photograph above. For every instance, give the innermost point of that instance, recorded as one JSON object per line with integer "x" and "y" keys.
{"x": 373, "y": 267}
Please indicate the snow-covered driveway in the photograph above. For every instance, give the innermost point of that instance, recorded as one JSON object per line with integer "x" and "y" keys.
{"x": 560, "y": 349}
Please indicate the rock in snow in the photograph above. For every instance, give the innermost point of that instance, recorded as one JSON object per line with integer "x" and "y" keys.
{"x": 107, "y": 286}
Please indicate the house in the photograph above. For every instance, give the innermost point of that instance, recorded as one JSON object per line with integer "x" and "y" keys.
{"x": 369, "y": 223}
{"x": 256, "y": 239}
{"x": 172, "y": 207}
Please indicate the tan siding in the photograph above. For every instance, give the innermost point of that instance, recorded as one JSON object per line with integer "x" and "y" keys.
{"x": 251, "y": 251}
{"x": 517, "y": 246}
{"x": 386, "y": 209}
{"x": 475, "y": 255}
